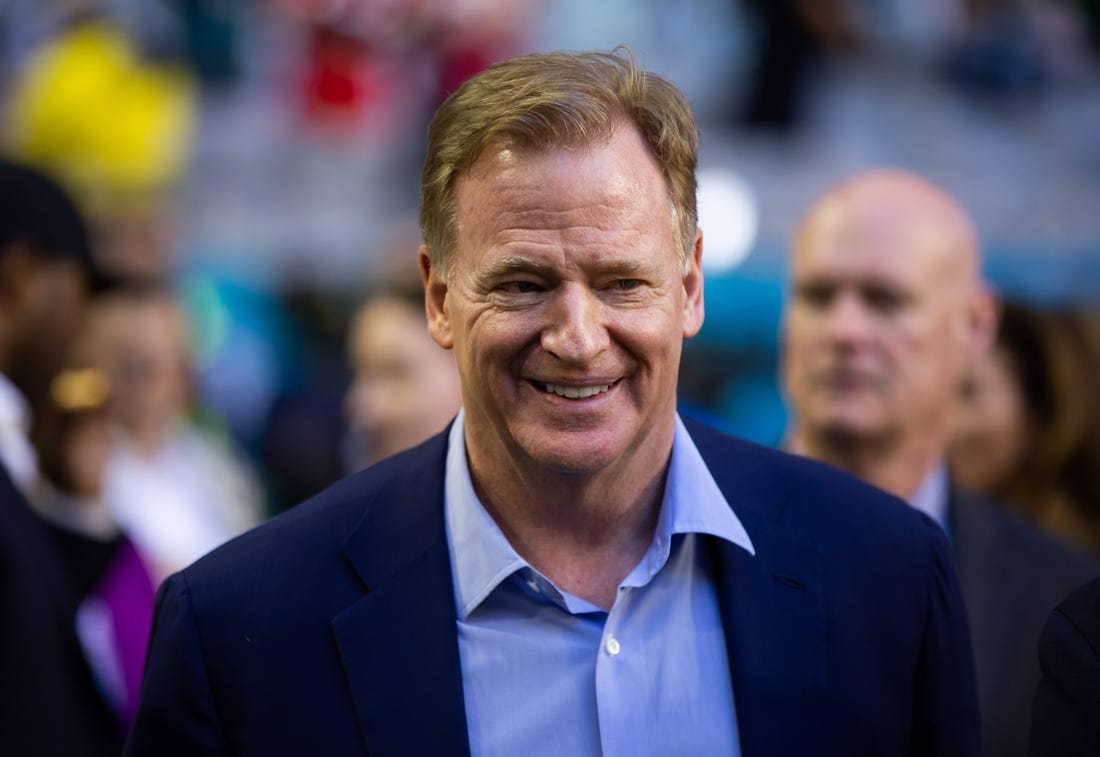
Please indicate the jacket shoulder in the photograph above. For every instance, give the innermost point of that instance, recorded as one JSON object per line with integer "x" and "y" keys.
{"x": 317, "y": 529}
{"x": 778, "y": 485}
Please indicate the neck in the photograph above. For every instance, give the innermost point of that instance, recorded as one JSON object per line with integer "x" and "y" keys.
{"x": 585, "y": 532}
{"x": 897, "y": 465}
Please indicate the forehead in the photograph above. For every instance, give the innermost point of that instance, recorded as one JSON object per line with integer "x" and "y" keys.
{"x": 387, "y": 320}
{"x": 612, "y": 185}
{"x": 876, "y": 246}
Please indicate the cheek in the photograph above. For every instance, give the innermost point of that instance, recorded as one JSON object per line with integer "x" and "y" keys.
{"x": 796, "y": 352}
{"x": 359, "y": 400}
{"x": 937, "y": 346}
{"x": 1005, "y": 417}
{"x": 801, "y": 333}
{"x": 996, "y": 419}
{"x": 482, "y": 343}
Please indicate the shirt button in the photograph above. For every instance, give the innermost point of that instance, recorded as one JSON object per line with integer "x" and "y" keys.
{"x": 612, "y": 646}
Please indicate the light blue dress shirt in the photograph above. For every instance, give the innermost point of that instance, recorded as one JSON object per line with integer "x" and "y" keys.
{"x": 932, "y": 495}
{"x": 547, "y": 673}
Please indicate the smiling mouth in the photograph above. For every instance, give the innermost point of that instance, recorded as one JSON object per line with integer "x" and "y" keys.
{"x": 573, "y": 392}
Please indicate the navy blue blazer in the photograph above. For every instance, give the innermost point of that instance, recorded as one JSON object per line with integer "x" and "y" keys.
{"x": 1066, "y": 714}
{"x": 49, "y": 702}
{"x": 331, "y": 629}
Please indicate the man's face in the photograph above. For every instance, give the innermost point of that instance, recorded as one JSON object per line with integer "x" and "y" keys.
{"x": 404, "y": 388}
{"x": 874, "y": 334}
{"x": 51, "y": 305}
{"x": 144, "y": 346}
{"x": 567, "y": 308}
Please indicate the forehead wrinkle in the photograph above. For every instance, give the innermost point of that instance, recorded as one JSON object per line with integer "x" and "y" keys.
{"x": 599, "y": 225}
{"x": 510, "y": 264}
{"x": 599, "y": 261}
{"x": 618, "y": 187}
{"x": 611, "y": 215}
{"x": 515, "y": 219}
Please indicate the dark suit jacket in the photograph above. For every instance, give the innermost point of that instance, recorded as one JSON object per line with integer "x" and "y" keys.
{"x": 1012, "y": 576}
{"x": 49, "y": 705}
{"x": 331, "y": 629}
{"x": 1066, "y": 717}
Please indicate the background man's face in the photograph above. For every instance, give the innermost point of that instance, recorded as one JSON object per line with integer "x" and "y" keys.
{"x": 51, "y": 306}
{"x": 404, "y": 387}
{"x": 143, "y": 347}
{"x": 568, "y": 305}
{"x": 873, "y": 333}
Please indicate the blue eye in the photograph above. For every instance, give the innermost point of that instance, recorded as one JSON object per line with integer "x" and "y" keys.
{"x": 627, "y": 284}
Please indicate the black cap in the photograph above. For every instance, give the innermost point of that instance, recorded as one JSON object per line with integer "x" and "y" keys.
{"x": 35, "y": 210}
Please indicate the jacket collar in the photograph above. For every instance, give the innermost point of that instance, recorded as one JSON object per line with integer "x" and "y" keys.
{"x": 773, "y": 606}
{"x": 398, "y": 644}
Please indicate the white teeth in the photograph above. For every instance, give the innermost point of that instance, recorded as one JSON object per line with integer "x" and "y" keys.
{"x": 576, "y": 392}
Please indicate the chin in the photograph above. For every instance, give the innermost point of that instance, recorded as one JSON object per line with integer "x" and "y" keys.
{"x": 849, "y": 417}
{"x": 578, "y": 453}
{"x": 847, "y": 429}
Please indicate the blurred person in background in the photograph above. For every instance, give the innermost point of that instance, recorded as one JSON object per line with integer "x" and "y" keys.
{"x": 404, "y": 388}
{"x": 175, "y": 486}
{"x": 369, "y": 64}
{"x": 1013, "y": 48}
{"x": 50, "y": 704}
{"x": 886, "y": 315}
{"x": 1065, "y": 719}
{"x": 111, "y": 117}
{"x": 1027, "y": 433}
{"x": 73, "y": 439}
{"x": 793, "y": 40}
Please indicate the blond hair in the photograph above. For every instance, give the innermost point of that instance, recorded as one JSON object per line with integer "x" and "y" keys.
{"x": 544, "y": 101}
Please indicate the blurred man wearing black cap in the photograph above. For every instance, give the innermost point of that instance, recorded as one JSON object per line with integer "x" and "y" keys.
{"x": 49, "y": 704}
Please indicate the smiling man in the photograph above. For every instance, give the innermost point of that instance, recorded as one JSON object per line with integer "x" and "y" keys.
{"x": 570, "y": 568}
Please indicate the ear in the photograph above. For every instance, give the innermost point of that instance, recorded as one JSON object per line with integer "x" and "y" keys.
{"x": 435, "y": 301}
{"x": 983, "y": 318}
{"x": 693, "y": 289}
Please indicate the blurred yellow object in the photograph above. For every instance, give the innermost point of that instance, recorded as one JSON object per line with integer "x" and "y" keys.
{"x": 111, "y": 126}
{"x": 80, "y": 389}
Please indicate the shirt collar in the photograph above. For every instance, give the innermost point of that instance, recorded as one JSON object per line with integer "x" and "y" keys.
{"x": 931, "y": 496}
{"x": 17, "y": 454}
{"x": 14, "y": 410}
{"x": 481, "y": 556}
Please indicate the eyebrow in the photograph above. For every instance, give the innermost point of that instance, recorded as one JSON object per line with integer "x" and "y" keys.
{"x": 511, "y": 264}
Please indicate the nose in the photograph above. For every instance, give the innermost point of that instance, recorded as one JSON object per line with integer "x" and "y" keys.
{"x": 575, "y": 331}
{"x": 847, "y": 320}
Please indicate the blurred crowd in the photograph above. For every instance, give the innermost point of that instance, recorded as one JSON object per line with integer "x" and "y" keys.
{"x": 163, "y": 403}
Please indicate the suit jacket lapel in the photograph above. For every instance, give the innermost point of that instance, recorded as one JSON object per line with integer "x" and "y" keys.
{"x": 398, "y": 643}
{"x": 773, "y": 614}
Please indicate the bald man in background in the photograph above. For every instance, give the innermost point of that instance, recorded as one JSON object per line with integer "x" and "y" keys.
{"x": 887, "y": 310}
